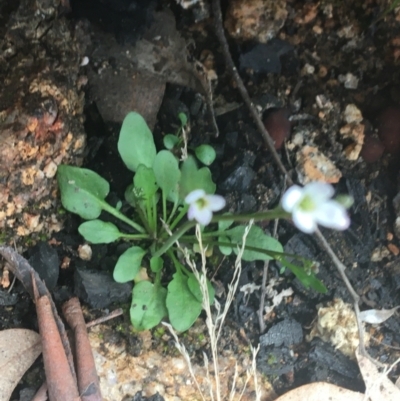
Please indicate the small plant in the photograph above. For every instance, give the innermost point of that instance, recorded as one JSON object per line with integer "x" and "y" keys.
{"x": 166, "y": 187}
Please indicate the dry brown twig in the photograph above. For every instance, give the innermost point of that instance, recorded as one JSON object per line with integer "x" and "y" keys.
{"x": 63, "y": 383}
{"x": 88, "y": 381}
{"x": 216, "y": 8}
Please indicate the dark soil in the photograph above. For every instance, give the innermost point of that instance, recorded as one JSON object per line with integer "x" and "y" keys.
{"x": 309, "y": 60}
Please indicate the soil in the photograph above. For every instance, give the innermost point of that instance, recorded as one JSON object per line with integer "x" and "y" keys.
{"x": 326, "y": 78}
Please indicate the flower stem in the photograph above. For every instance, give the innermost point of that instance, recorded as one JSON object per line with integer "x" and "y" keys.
{"x": 269, "y": 215}
{"x": 179, "y": 217}
{"x": 136, "y": 236}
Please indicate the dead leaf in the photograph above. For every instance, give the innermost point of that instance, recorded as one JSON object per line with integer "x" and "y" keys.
{"x": 278, "y": 298}
{"x": 321, "y": 392}
{"x": 377, "y": 316}
{"x": 378, "y": 386}
{"x": 18, "y": 350}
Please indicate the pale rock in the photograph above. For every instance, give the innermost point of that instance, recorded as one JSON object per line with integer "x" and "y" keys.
{"x": 349, "y": 81}
{"x": 308, "y": 69}
{"x": 354, "y": 132}
{"x": 352, "y": 114}
{"x": 313, "y": 165}
{"x": 50, "y": 169}
{"x": 122, "y": 375}
{"x": 85, "y": 252}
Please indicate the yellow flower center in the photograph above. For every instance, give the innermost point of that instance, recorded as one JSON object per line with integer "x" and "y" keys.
{"x": 307, "y": 204}
{"x": 202, "y": 203}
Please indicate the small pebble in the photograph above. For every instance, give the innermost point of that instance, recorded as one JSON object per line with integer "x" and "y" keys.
{"x": 389, "y": 129}
{"x": 276, "y": 122}
{"x": 372, "y": 149}
{"x": 394, "y": 249}
{"x": 349, "y": 81}
{"x": 85, "y": 252}
{"x": 352, "y": 114}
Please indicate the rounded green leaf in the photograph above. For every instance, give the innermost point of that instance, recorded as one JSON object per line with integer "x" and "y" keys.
{"x": 183, "y": 307}
{"x": 183, "y": 118}
{"x": 188, "y": 171}
{"x": 148, "y": 305}
{"x": 205, "y": 181}
{"x": 206, "y": 154}
{"x": 173, "y": 195}
{"x": 166, "y": 171}
{"x": 145, "y": 181}
{"x": 194, "y": 287}
{"x": 99, "y": 232}
{"x": 130, "y": 195}
{"x": 82, "y": 191}
{"x": 156, "y": 264}
{"x": 255, "y": 238}
{"x": 192, "y": 178}
{"x": 128, "y": 264}
{"x": 225, "y": 249}
{"x": 136, "y": 144}
{"x": 170, "y": 141}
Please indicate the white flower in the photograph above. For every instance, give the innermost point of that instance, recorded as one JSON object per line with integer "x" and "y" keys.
{"x": 312, "y": 205}
{"x": 202, "y": 206}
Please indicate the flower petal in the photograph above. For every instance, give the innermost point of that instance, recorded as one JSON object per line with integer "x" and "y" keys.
{"x": 193, "y": 211}
{"x": 291, "y": 198}
{"x": 332, "y": 214}
{"x": 304, "y": 221}
{"x": 203, "y": 216}
{"x": 215, "y": 202}
{"x": 194, "y": 196}
{"x": 319, "y": 191}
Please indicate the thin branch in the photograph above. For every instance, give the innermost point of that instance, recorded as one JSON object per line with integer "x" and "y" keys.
{"x": 356, "y": 298}
{"x": 109, "y": 316}
{"x": 216, "y": 7}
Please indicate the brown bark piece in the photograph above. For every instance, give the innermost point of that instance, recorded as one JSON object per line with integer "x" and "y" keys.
{"x": 88, "y": 381}
{"x": 25, "y": 273}
{"x": 60, "y": 379}
{"x": 41, "y": 123}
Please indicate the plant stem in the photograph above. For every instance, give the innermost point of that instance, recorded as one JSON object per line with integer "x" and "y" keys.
{"x": 135, "y": 236}
{"x": 149, "y": 214}
{"x": 179, "y": 217}
{"x": 164, "y": 206}
{"x": 116, "y": 213}
{"x": 174, "y": 237}
{"x": 154, "y": 213}
{"x": 143, "y": 218}
{"x": 269, "y": 215}
{"x": 205, "y": 235}
{"x": 176, "y": 204}
{"x": 178, "y": 266}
